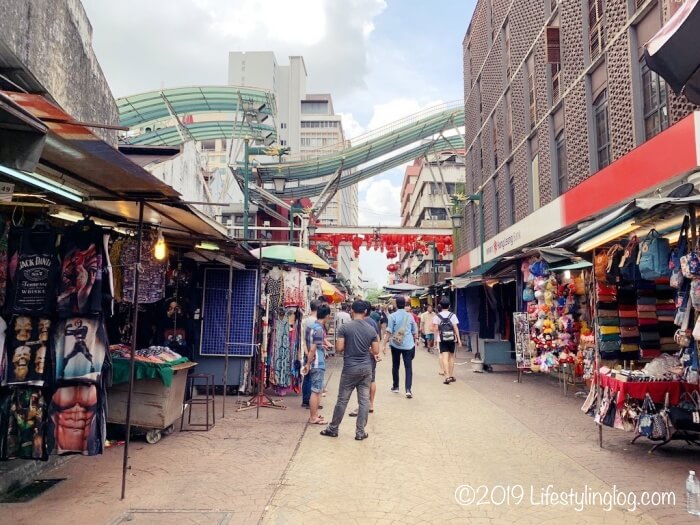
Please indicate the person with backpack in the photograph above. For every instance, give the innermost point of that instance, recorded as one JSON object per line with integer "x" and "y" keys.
{"x": 446, "y": 329}
{"x": 400, "y": 335}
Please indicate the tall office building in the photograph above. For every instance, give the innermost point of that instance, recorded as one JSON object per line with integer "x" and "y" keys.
{"x": 307, "y": 123}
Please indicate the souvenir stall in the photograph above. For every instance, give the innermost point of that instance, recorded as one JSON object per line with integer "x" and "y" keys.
{"x": 287, "y": 288}
{"x": 645, "y": 304}
{"x": 558, "y": 327}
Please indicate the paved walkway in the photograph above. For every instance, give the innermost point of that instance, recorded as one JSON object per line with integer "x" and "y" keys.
{"x": 509, "y": 442}
{"x": 420, "y": 451}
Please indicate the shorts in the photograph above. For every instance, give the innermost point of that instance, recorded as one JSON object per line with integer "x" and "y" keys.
{"x": 447, "y": 346}
{"x": 316, "y": 377}
{"x": 374, "y": 369}
{"x": 429, "y": 337}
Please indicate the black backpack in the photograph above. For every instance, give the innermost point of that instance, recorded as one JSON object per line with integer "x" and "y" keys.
{"x": 447, "y": 329}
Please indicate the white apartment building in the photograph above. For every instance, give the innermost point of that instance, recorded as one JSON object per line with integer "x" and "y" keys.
{"x": 307, "y": 124}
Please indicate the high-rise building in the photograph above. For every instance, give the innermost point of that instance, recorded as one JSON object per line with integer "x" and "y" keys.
{"x": 555, "y": 93}
{"x": 429, "y": 183}
{"x": 307, "y": 124}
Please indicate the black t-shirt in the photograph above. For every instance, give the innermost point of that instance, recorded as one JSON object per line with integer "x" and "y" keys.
{"x": 358, "y": 336}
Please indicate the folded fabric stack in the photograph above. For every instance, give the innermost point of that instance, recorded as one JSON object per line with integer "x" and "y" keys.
{"x": 649, "y": 343}
{"x": 629, "y": 321}
{"x": 666, "y": 313}
{"x": 608, "y": 322}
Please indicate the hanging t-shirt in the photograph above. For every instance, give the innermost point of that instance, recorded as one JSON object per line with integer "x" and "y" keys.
{"x": 33, "y": 267}
{"x": 152, "y": 276}
{"x": 28, "y": 350}
{"x": 81, "y": 285}
{"x": 23, "y": 417}
{"x": 76, "y": 424}
{"x": 4, "y": 240}
{"x": 294, "y": 288}
{"x": 81, "y": 348}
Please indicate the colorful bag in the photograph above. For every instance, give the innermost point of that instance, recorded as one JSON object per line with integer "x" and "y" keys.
{"x": 528, "y": 294}
{"x": 674, "y": 261}
{"x": 695, "y": 293}
{"x": 629, "y": 271}
{"x": 600, "y": 266}
{"x": 539, "y": 269}
{"x": 690, "y": 265}
{"x": 654, "y": 256}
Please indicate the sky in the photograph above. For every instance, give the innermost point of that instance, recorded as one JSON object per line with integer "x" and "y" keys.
{"x": 381, "y": 60}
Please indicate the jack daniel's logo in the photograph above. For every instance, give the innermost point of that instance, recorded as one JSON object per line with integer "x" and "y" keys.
{"x": 35, "y": 261}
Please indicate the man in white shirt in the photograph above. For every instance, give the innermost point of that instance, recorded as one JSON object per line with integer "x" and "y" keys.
{"x": 446, "y": 329}
{"x": 343, "y": 316}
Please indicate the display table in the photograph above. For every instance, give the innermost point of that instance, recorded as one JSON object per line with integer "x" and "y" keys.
{"x": 657, "y": 390}
{"x": 144, "y": 370}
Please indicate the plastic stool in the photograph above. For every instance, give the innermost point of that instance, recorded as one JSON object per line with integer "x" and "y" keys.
{"x": 206, "y": 382}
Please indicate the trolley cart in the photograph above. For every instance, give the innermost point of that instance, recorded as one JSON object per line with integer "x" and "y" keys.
{"x": 154, "y": 407}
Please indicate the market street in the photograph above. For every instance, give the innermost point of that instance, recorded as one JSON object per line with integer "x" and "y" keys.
{"x": 482, "y": 430}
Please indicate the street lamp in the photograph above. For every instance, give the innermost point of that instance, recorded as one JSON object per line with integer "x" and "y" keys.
{"x": 312, "y": 229}
{"x": 280, "y": 181}
{"x": 457, "y": 201}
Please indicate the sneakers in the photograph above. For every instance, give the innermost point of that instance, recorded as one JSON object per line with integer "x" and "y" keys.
{"x": 395, "y": 389}
{"x": 360, "y": 437}
{"x": 408, "y": 394}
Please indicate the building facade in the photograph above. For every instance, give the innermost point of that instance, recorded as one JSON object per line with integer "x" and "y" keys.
{"x": 426, "y": 194}
{"x": 555, "y": 91}
{"x": 307, "y": 124}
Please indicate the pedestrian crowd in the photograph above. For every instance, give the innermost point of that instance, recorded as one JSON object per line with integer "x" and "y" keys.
{"x": 363, "y": 334}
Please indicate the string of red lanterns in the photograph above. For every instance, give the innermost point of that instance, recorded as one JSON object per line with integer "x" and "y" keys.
{"x": 391, "y": 243}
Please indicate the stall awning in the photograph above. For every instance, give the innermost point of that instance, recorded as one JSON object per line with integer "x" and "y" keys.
{"x": 605, "y": 223}
{"x": 22, "y": 136}
{"x": 79, "y": 159}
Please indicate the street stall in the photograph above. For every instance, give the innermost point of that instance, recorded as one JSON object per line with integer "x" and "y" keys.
{"x": 91, "y": 247}
{"x": 645, "y": 313}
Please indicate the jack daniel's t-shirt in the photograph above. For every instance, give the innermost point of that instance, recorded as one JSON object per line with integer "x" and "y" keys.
{"x": 33, "y": 268}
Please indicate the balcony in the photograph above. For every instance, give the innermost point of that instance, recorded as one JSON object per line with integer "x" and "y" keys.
{"x": 443, "y": 223}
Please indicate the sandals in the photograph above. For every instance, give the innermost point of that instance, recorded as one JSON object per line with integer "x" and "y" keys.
{"x": 319, "y": 421}
{"x": 328, "y": 433}
{"x": 354, "y": 412}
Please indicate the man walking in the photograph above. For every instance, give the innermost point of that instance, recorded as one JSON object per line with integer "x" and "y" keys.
{"x": 400, "y": 334}
{"x": 316, "y": 362}
{"x": 358, "y": 341}
{"x": 305, "y": 325}
{"x": 446, "y": 328}
{"x": 343, "y": 316}
{"x": 426, "y": 327}
{"x": 373, "y": 385}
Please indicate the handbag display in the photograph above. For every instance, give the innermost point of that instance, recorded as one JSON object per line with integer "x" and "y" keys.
{"x": 614, "y": 255}
{"x": 654, "y": 254}
{"x": 629, "y": 271}
{"x": 654, "y": 425}
{"x": 686, "y": 416}
{"x": 600, "y": 266}
{"x": 674, "y": 261}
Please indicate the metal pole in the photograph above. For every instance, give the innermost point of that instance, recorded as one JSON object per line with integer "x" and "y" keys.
{"x": 228, "y": 332}
{"x": 291, "y": 226}
{"x": 262, "y": 347}
{"x": 134, "y": 328}
{"x": 246, "y": 183}
{"x": 482, "y": 230}
{"x": 434, "y": 275}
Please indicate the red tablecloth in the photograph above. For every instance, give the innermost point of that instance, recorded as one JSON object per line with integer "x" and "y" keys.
{"x": 656, "y": 389}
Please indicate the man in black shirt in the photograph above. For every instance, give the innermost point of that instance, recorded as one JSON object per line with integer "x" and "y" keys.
{"x": 360, "y": 345}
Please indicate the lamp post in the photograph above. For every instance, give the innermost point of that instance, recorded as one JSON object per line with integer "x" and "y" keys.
{"x": 246, "y": 190}
{"x": 457, "y": 217}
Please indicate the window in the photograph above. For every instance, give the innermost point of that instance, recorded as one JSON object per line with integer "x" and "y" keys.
{"x": 655, "y": 102}
{"x": 496, "y": 204}
{"x": 283, "y": 125}
{"x": 535, "y": 173}
{"x": 511, "y": 194}
{"x": 506, "y": 49}
{"x": 554, "y": 60}
{"x": 494, "y": 141}
{"x": 474, "y": 225}
{"x": 317, "y": 107}
{"x": 509, "y": 121}
{"x": 481, "y": 103}
{"x": 208, "y": 145}
{"x": 596, "y": 27}
{"x": 531, "y": 93}
{"x": 481, "y": 152}
{"x": 283, "y": 142}
{"x": 562, "y": 174}
{"x": 602, "y": 131}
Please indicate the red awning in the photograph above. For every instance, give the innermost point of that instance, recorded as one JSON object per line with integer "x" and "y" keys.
{"x": 78, "y": 158}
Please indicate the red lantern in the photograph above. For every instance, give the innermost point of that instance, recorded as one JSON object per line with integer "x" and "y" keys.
{"x": 356, "y": 243}
{"x": 391, "y": 255}
{"x": 392, "y": 268}
{"x": 440, "y": 246}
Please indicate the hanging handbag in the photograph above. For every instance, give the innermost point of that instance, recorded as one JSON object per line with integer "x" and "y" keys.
{"x": 654, "y": 254}
{"x": 612, "y": 272}
{"x": 629, "y": 271}
{"x": 629, "y": 415}
{"x": 590, "y": 401}
{"x": 653, "y": 425}
{"x": 695, "y": 293}
{"x": 674, "y": 261}
{"x": 539, "y": 269}
{"x": 600, "y": 266}
{"x": 528, "y": 294}
{"x": 686, "y": 416}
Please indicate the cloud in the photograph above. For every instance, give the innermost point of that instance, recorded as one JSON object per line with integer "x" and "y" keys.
{"x": 380, "y": 205}
{"x": 180, "y": 42}
{"x": 351, "y": 127}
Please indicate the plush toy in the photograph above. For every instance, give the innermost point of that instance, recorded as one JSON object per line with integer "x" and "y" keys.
{"x": 548, "y": 327}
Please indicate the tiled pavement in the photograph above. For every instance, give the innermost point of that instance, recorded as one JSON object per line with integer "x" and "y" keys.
{"x": 484, "y": 430}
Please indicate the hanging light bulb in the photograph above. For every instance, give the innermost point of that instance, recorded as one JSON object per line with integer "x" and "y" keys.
{"x": 160, "y": 250}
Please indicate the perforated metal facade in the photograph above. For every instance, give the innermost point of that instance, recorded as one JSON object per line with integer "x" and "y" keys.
{"x": 514, "y": 32}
